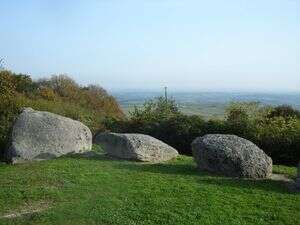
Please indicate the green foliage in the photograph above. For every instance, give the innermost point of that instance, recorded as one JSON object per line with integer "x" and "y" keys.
{"x": 278, "y": 136}
{"x": 7, "y": 84}
{"x": 59, "y": 94}
{"x": 24, "y": 84}
{"x": 8, "y": 108}
{"x": 63, "y": 85}
{"x": 155, "y": 110}
{"x": 91, "y": 97}
{"x": 275, "y": 130}
{"x": 162, "y": 119}
{"x": 288, "y": 171}
{"x": 285, "y": 111}
{"x": 238, "y": 122}
{"x": 47, "y": 93}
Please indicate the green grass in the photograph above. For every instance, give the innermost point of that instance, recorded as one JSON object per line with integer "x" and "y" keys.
{"x": 288, "y": 171}
{"x": 99, "y": 190}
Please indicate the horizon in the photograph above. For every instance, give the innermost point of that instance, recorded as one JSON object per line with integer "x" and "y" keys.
{"x": 237, "y": 46}
{"x": 233, "y": 91}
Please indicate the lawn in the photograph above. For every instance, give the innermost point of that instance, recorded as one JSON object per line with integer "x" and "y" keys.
{"x": 78, "y": 190}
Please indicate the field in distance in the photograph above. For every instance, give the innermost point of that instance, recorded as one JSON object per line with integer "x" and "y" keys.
{"x": 207, "y": 104}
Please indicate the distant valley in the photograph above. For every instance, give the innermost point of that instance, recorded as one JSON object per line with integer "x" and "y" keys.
{"x": 207, "y": 104}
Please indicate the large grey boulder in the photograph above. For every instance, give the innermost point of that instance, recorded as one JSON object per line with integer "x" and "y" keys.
{"x": 40, "y": 135}
{"x": 297, "y": 182}
{"x": 138, "y": 147}
{"x": 231, "y": 155}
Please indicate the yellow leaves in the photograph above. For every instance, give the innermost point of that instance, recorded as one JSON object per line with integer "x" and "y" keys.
{"x": 47, "y": 93}
{"x": 7, "y": 85}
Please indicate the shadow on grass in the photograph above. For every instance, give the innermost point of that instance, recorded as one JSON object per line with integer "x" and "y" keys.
{"x": 161, "y": 168}
{"x": 203, "y": 177}
{"x": 247, "y": 185}
{"x": 91, "y": 155}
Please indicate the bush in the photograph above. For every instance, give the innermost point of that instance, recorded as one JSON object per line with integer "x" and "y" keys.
{"x": 8, "y": 108}
{"x": 59, "y": 94}
{"x": 284, "y": 111}
{"x": 47, "y": 93}
{"x": 280, "y": 138}
{"x": 162, "y": 119}
{"x": 178, "y": 130}
{"x": 275, "y": 130}
{"x": 7, "y": 84}
{"x": 278, "y": 135}
{"x": 92, "y": 97}
{"x": 155, "y": 110}
{"x": 24, "y": 84}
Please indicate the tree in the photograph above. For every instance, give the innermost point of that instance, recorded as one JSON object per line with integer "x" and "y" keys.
{"x": 62, "y": 84}
{"x": 8, "y": 107}
{"x": 241, "y": 118}
{"x": 7, "y": 84}
{"x": 2, "y": 64}
{"x": 24, "y": 84}
{"x": 157, "y": 109}
{"x": 47, "y": 93}
{"x": 284, "y": 111}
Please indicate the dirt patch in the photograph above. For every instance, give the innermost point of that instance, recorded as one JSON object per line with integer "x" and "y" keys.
{"x": 280, "y": 177}
{"x": 27, "y": 209}
{"x": 289, "y": 183}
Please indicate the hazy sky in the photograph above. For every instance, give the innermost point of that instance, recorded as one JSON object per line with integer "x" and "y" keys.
{"x": 147, "y": 44}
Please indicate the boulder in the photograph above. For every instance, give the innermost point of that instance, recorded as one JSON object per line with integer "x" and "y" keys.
{"x": 231, "y": 155}
{"x": 297, "y": 182}
{"x": 40, "y": 135}
{"x": 138, "y": 147}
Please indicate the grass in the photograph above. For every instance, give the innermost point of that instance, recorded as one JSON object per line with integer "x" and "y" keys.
{"x": 77, "y": 190}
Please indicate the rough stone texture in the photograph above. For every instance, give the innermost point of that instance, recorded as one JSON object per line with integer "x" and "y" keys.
{"x": 297, "y": 182}
{"x": 231, "y": 155}
{"x": 137, "y": 147}
{"x": 40, "y": 135}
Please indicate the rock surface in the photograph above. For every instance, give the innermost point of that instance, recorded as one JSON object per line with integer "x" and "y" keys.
{"x": 231, "y": 155}
{"x": 40, "y": 135}
{"x": 137, "y": 147}
{"x": 297, "y": 182}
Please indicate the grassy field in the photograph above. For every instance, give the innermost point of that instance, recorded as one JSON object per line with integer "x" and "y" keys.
{"x": 78, "y": 190}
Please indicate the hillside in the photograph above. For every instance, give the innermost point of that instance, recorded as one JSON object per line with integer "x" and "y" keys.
{"x": 58, "y": 94}
{"x": 99, "y": 190}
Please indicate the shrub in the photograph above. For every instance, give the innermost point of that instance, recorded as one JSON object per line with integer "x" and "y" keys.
{"x": 92, "y": 97}
{"x": 24, "y": 84}
{"x": 59, "y": 94}
{"x": 47, "y": 93}
{"x": 161, "y": 119}
{"x": 7, "y": 84}
{"x": 241, "y": 119}
{"x": 285, "y": 111}
{"x": 278, "y": 136}
{"x": 63, "y": 85}
{"x": 155, "y": 110}
{"x": 8, "y": 108}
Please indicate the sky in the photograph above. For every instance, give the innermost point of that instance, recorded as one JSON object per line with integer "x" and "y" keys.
{"x": 216, "y": 45}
